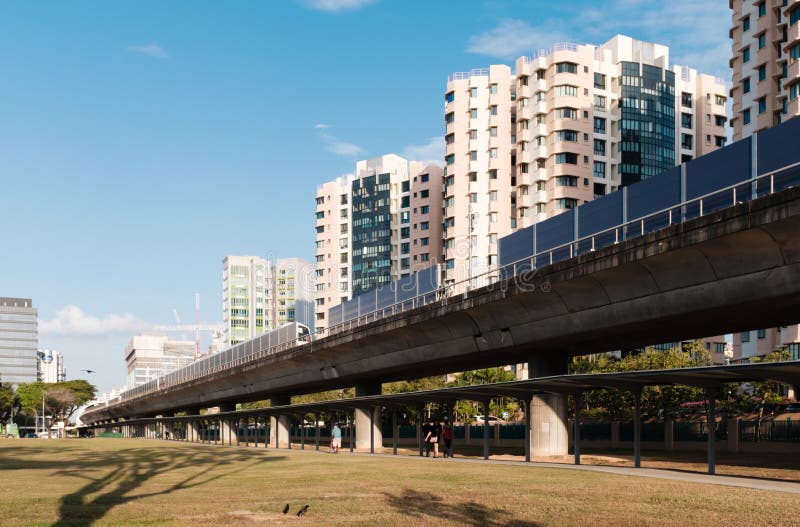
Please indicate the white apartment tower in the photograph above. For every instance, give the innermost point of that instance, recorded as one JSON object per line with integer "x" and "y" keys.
{"x": 572, "y": 123}
{"x": 374, "y": 227}
{"x": 258, "y": 296}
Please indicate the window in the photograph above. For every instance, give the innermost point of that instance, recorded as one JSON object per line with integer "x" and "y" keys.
{"x": 599, "y": 125}
{"x": 794, "y": 15}
{"x": 473, "y": 93}
{"x": 566, "y": 181}
{"x": 746, "y": 116}
{"x": 473, "y": 134}
{"x": 493, "y": 89}
{"x": 762, "y": 72}
{"x": 746, "y": 85}
{"x": 493, "y": 173}
{"x": 746, "y": 54}
{"x": 405, "y": 248}
{"x": 405, "y": 232}
{"x": 566, "y": 113}
{"x": 686, "y": 141}
{"x": 424, "y": 193}
{"x": 493, "y": 131}
{"x": 473, "y": 176}
{"x": 566, "y": 203}
{"x": 761, "y": 333}
{"x": 762, "y": 105}
{"x": 599, "y": 103}
{"x": 450, "y": 97}
{"x": 424, "y": 226}
{"x": 473, "y": 155}
{"x": 719, "y": 120}
{"x": 566, "y": 135}
{"x": 599, "y": 147}
{"x": 425, "y": 209}
{"x": 405, "y": 201}
{"x": 745, "y": 335}
{"x": 493, "y": 195}
{"x": 762, "y": 40}
{"x": 473, "y": 197}
{"x": 719, "y": 140}
{"x": 492, "y": 217}
{"x": 320, "y": 215}
{"x": 686, "y": 100}
{"x": 746, "y": 23}
{"x": 686, "y": 120}
{"x": 794, "y": 53}
{"x": 762, "y": 9}
{"x": 719, "y": 100}
{"x": 794, "y": 89}
{"x": 493, "y": 238}
{"x": 424, "y": 257}
{"x": 599, "y": 169}
{"x": 566, "y": 90}
{"x": 449, "y": 117}
{"x": 405, "y": 186}
{"x": 493, "y": 152}
{"x": 566, "y": 67}
{"x": 425, "y": 241}
{"x": 424, "y": 178}
{"x": 493, "y": 109}
{"x": 567, "y": 157}
{"x": 473, "y": 113}
{"x": 599, "y": 81}
{"x": 451, "y": 159}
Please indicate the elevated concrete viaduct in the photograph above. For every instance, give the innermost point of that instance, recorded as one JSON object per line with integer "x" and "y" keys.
{"x": 727, "y": 271}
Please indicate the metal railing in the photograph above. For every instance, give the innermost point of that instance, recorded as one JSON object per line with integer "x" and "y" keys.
{"x": 745, "y": 190}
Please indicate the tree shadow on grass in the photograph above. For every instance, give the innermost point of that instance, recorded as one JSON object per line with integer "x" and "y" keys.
{"x": 132, "y": 468}
{"x": 469, "y": 513}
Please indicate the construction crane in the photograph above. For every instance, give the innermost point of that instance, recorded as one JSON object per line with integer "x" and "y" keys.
{"x": 197, "y": 327}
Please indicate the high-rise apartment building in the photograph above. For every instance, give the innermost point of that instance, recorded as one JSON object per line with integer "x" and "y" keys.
{"x": 149, "y": 356}
{"x": 374, "y": 227}
{"x": 258, "y": 296}
{"x": 765, "y": 61}
{"x": 572, "y": 123}
{"x": 332, "y": 275}
{"x": 18, "y": 340}
{"x": 50, "y": 366}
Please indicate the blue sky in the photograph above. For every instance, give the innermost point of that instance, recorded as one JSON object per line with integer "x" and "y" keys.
{"x": 141, "y": 142}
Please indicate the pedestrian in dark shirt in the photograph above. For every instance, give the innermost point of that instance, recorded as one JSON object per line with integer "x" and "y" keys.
{"x": 447, "y": 437}
{"x": 427, "y": 428}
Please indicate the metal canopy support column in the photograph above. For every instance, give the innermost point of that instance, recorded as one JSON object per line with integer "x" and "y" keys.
{"x": 421, "y": 409}
{"x": 371, "y": 430}
{"x": 576, "y": 437}
{"x": 527, "y": 407}
{"x": 712, "y": 430}
{"x": 316, "y": 431}
{"x": 394, "y": 431}
{"x": 486, "y": 429}
{"x": 637, "y": 427}
{"x": 302, "y": 433}
{"x": 350, "y": 426}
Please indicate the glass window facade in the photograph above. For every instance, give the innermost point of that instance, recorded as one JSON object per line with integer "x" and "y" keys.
{"x": 18, "y": 340}
{"x": 647, "y": 126}
{"x": 372, "y": 243}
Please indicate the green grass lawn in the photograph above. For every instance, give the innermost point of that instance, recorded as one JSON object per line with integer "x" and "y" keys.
{"x": 140, "y": 482}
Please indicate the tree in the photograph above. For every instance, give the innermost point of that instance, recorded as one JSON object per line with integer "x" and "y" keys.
{"x": 466, "y": 409}
{"x": 30, "y": 398}
{"x": 8, "y": 400}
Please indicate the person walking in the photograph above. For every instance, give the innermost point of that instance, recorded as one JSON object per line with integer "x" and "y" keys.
{"x": 427, "y": 428}
{"x": 336, "y": 439}
{"x": 447, "y": 437}
{"x": 432, "y": 438}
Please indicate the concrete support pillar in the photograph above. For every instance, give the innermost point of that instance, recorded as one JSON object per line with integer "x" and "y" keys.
{"x": 669, "y": 434}
{"x": 225, "y": 428}
{"x": 368, "y": 420}
{"x": 279, "y": 425}
{"x": 733, "y": 435}
{"x": 548, "y": 420}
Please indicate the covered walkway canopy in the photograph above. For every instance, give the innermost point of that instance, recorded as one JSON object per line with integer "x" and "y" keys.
{"x": 709, "y": 378}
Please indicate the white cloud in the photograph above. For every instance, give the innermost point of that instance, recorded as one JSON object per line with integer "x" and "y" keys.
{"x": 335, "y": 145}
{"x": 73, "y": 321}
{"x": 695, "y": 32}
{"x": 152, "y": 50}
{"x": 513, "y": 38}
{"x": 431, "y": 151}
{"x": 334, "y": 6}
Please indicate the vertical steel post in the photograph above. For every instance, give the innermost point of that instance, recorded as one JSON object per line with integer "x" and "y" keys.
{"x": 712, "y": 431}
{"x": 576, "y": 436}
{"x": 486, "y": 429}
{"x": 394, "y": 431}
{"x": 637, "y": 427}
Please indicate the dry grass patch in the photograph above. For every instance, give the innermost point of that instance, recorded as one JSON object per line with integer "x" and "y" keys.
{"x": 137, "y": 482}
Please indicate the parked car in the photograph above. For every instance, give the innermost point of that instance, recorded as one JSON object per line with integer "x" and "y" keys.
{"x": 493, "y": 420}
{"x": 794, "y": 407}
{"x": 31, "y": 435}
